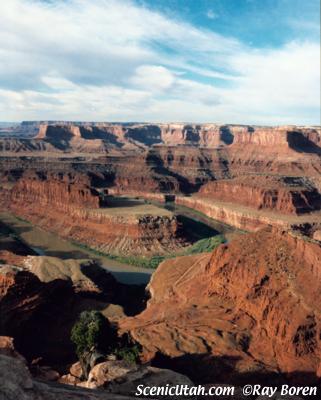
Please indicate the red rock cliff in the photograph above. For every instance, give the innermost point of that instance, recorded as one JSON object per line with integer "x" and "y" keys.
{"x": 73, "y": 210}
{"x": 60, "y": 194}
{"x": 253, "y": 303}
{"x": 264, "y": 192}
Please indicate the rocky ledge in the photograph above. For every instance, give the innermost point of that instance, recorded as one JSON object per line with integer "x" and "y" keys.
{"x": 250, "y": 309}
{"x": 42, "y": 298}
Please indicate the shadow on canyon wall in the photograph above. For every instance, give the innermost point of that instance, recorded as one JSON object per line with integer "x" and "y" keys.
{"x": 158, "y": 166}
{"x": 302, "y": 144}
{"x": 205, "y": 368}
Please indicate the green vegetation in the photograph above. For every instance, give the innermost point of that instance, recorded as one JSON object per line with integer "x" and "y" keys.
{"x": 201, "y": 246}
{"x": 92, "y": 331}
{"x": 128, "y": 350}
{"x": 23, "y": 220}
{"x": 205, "y": 245}
{"x": 136, "y": 261}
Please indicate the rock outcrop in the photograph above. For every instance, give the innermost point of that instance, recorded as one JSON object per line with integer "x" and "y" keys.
{"x": 74, "y": 211}
{"x": 16, "y": 383}
{"x": 61, "y": 194}
{"x": 248, "y": 309}
{"x": 35, "y": 313}
{"x": 247, "y": 176}
{"x": 283, "y": 137}
{"x": 241, "y": 217}
{"x": 114, "y": 383}
{"x": 86, "y": 276}
{"x": 106, "y": 137}
{"x": 41, "y": 300}
{"x": 288, "y": 196}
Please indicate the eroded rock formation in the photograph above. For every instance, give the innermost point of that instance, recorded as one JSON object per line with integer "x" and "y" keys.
{"x": 41, "y": 300}
{"x": 55, "y": 192}
{"x": 249, "y": 308}
{"x": 74, "y": 210}
{"x": 289, "y": 196}
{"x": 246, "y": 176}
{"x": 115, "y": 379}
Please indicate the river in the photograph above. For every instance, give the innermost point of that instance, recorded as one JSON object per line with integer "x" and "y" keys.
{"x": 50, "y": 244}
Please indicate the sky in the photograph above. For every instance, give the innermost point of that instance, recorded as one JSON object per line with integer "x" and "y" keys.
{"x": 221, "y": 61}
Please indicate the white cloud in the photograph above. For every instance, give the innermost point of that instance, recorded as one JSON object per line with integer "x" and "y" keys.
{"x": 211, "y": 14}
{"x": 279, "y": 84}
{"x": 153, "y": 77}
{"x": 115, "y": 60}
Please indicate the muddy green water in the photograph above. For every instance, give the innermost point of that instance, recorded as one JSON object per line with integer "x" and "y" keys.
{"x": 46, "y": 243}
{"x": 50, "y": 244}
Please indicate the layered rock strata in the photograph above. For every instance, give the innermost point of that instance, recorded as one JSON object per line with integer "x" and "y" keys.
{"x": 61, "y": 194}
{"x": 265, "y": 193}
{"x": 73, "y": 211}
{"x": 250, "y": 308}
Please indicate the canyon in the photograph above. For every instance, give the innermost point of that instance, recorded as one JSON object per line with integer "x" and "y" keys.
{"x": 246, "y": 310}
{"x": 244, "y": 176}
{"x": 76, "y": 213}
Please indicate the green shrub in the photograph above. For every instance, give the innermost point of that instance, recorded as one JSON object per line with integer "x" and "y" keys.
{"x": 128, "y": 350}
{"x": 92, "y": 331}
{"x": 205, "y": 245}
{"x": 201, "y": 246}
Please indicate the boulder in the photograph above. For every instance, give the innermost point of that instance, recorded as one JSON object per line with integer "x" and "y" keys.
{"x": 317, "y": 235}
{"x": 105, "y": 372}
{"x": 147, "y": 376}
{"x": 16, "y": 383}
{"x": 7, "y": 348}
{"x": 15, "y": 379}
{"x": 45, "y": 373}
{"x": 69, "y": 379}
{"x": 76, "y": 370}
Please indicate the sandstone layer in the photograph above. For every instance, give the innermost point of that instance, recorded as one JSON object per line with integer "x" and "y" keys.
{"x": 61, "y": 194}
{"x": 144, "y": 135}
{"x": 75, "y": 211}
{"x": 289, "y": 196}
{"x": 250, "y": 308}
{"x": 246, "y": 176}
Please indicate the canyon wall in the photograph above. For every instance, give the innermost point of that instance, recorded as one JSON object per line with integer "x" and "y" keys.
{"x": 265, "y": 192}
{"x": 257, "y": 170}
{"x": 57, "y": 193}
{"x": 243, "y": 218}
{"x": 73, "y": 211}
{"x": 176, "y": 134}
{"x": 42, "y": 298}
{"x": 251, "y": 307}
{"x": 285, "y": 137}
